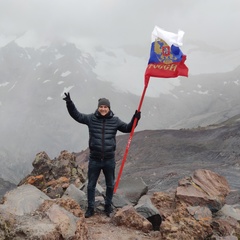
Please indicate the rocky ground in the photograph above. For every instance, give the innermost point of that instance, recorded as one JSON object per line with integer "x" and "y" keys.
{"x": 101, "y": 228}
{"x": 49, "y": 204}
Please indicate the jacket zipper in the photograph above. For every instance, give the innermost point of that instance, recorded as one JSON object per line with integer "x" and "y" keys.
{"x": 103, "y": 131}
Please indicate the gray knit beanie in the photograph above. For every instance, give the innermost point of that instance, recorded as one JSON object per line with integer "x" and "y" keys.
{"x": 103, "y": 101}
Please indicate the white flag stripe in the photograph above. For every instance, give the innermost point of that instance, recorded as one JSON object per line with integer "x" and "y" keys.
{"x": 169, "y": 37}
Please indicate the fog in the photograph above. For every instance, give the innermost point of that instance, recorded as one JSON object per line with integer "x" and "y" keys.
{"x": 115, "y": 23}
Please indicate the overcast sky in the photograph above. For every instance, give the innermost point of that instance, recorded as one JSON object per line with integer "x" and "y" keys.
{"x": 115, "y": 23}
{"x": 118, "y": 22}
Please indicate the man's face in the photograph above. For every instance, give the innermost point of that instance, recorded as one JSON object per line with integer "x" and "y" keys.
{"x": 103, "y": 109}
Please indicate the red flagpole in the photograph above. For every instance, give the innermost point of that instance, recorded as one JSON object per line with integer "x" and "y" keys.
{"x": 130, "y": 137}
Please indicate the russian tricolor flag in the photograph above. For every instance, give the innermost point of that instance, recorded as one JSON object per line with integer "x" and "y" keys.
{"x": 166, "y": 59}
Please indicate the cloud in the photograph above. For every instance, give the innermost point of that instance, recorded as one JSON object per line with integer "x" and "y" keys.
{"x": 117, "y": 22}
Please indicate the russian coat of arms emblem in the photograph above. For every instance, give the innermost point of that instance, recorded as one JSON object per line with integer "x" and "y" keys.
{"x": 163, "y": 52}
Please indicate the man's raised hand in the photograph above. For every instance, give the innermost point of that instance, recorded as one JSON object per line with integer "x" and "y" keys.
{"x": 67, "y": 97}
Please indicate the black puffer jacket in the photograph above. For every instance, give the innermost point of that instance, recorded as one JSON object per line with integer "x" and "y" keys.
{"x": 102, "y": 131}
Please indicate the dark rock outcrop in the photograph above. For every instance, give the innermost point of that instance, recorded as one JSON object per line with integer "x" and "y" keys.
{"x": 53, "y": 177}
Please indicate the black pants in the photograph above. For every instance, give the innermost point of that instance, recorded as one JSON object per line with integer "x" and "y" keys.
{"x": 94, "y": 170}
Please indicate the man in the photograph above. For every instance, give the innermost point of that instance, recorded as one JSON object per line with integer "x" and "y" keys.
{"x": 103, "y": 127}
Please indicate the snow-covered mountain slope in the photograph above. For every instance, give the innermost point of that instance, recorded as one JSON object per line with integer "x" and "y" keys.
{"x": 34, "y": 117}
{"x": 203, "y": 58}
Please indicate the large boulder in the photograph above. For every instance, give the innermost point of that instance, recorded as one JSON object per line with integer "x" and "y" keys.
{"x": 203, "y": 188}
{"x": 27, "y": 213}
{"x": 23, "y": 200}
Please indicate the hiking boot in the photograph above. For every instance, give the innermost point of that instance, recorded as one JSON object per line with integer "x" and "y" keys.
{"x": 89, "y": 212}
{"x": 108, "y": 210}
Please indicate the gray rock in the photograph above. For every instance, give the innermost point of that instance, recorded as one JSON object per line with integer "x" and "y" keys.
{"x": 99, "y": 189}
{"x": 200, "y": 213}
{"x": 23, "y": 200}
{"x": 66, "y": 221}
{"x": 149, "y": 211}
{"x": 76, "y": 194}
{"x": 120, "y": 201}
{"x": 230, "y": 210}
{"x": 33, "y": 227}
{"x": 132, "y": 189}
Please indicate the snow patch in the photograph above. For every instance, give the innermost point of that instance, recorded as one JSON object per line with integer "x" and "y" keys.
{"x": 65, "y": 74}
{"x": 60, "y": 82}
{"x": 201, "y": 92}
{"x": 237, "y": 82}
{"x": 46, "y": 81}
{"x": 4, "y": 84}
{"x": 58, "y": 56}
